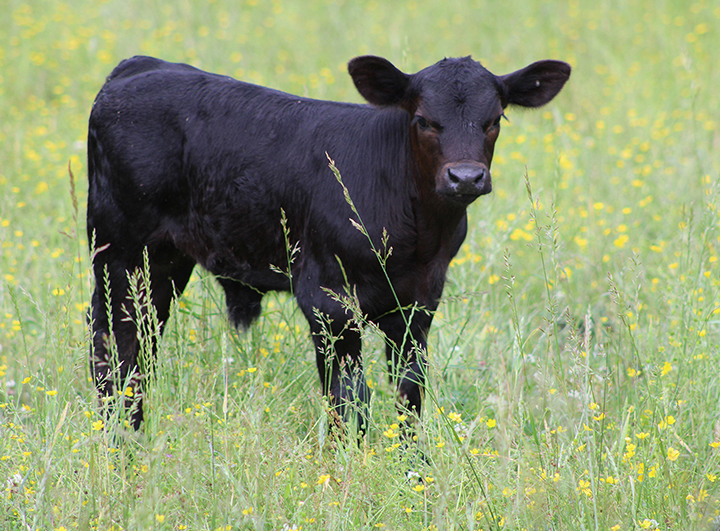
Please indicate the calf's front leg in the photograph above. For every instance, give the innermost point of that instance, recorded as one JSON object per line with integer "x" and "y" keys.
{"x": 406, "y": 344}
{"x": 339, "y": 363}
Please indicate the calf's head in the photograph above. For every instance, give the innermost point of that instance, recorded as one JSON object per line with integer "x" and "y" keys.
{"x": 456, "y": 107}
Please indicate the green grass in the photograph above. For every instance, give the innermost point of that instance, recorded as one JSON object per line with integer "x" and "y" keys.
{"x": 574, "y": 378}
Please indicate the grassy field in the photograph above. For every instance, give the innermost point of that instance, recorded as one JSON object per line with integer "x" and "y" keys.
{"x": 574, "y": 379}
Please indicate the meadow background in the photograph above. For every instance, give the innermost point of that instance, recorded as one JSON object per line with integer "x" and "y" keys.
{"x": 574, "y": 380}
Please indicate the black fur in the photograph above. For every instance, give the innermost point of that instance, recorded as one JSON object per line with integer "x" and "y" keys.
{"x": 197, "y": 168}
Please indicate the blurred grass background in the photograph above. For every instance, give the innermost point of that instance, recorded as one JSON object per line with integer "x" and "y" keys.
{"x": 574, "y": 358}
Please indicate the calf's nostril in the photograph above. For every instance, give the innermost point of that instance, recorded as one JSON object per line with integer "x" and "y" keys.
{"x": 453, "y": 177}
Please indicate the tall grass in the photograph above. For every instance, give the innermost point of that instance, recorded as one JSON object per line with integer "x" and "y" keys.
{"x": 573, "y": 378}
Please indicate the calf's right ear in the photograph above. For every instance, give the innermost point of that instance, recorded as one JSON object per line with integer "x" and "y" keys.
{"x": 378, "y": 81}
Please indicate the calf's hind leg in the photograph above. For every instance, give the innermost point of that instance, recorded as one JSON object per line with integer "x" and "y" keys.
{"x": 116, "y": 317}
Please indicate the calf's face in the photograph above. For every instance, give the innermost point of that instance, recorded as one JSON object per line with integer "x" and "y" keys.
{"x": 456, "y": 107}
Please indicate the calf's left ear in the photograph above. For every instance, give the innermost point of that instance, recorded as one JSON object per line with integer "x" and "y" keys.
{"x": 378, "y": 81}
{"x": 536, "y": 84}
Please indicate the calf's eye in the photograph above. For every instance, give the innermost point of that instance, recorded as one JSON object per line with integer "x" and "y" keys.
{"x": 495, "y": 124}
{"x": 422, "y": 123}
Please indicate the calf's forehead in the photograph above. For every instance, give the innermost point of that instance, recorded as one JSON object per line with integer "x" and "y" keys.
{"x": 455, "y": 86}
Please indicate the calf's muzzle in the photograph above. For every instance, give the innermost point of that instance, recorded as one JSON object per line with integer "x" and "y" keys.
{"x": 464, "y": 181}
